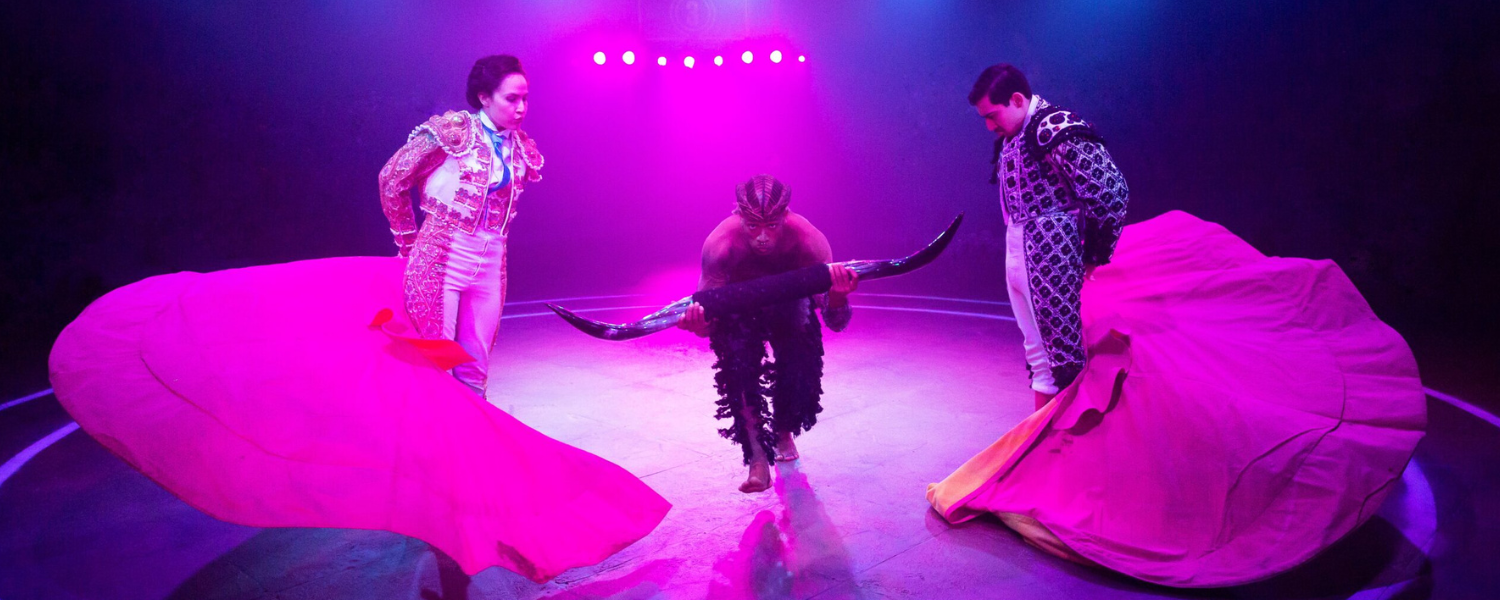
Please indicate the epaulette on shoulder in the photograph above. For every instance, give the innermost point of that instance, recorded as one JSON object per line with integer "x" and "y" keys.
{"x": 453, "y": 130}
{"x": 1051, "y": 126}
{"x": 529, "y": 152}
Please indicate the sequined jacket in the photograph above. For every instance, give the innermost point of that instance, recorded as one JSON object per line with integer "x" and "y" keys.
{"x": 1058, "y": 164}
{"x": 451, "y": 157}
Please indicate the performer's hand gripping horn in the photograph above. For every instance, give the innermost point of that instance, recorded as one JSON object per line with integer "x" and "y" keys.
{"x": 747, "y": 295}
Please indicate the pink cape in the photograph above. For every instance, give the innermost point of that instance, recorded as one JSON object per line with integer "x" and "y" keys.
{"x": 1237, "y": 415}
{"x": 264, "y": 396}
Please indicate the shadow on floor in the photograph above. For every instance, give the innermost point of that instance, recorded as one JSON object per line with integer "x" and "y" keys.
{"x": 800, "y": 554}
{"x": 1374, "y": 561}
{"x": 453, "y": 583}
{"x": 327, "y": 563}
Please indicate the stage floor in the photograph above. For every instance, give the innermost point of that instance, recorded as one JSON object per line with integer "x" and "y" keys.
{"x": 914, "y": 387}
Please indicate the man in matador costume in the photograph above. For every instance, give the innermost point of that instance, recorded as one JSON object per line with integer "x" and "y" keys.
{"x": 1064, "y": 202}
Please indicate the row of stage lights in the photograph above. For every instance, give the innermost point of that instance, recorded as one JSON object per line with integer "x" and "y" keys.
{"x": 748, "y": 57}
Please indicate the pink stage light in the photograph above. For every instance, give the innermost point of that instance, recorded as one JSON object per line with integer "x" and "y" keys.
{"x": 688, "y": 62}
{"x": 661, "y": 60}
{"x": 747, "y": 57}
{"x": 598, "y": 58}
{"x": 718, "y": 61}
{"x": 629, "y": 57}
{"x": 776, "y": 56}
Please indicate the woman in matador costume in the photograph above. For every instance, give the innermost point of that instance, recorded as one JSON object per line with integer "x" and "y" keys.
{"x": 471, "y": 169}
{"x": 303, "y": 395}
{"x": 763, "y": 237}
{"x": 1064, "y": 202}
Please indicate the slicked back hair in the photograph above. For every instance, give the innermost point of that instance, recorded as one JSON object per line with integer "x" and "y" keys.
{"x": 487, "y": 74}
{"x": 997, "y": 83}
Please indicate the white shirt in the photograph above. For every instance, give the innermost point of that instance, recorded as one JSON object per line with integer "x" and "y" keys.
{"x": 1030, "y": 110}
{"x": 497, "y": 175}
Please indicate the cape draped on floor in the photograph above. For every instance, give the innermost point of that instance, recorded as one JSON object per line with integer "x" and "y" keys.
{"x": 287, "y": 396}
{"x": 1238, "y": 414}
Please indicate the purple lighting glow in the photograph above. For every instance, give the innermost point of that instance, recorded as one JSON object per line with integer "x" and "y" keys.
{"x": 629, "y": 57}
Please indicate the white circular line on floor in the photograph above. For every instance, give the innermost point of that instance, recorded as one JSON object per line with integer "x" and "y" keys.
{"x": 1414, "y": 518}
{"x": 20, "y": 401}
{"x": 1483, "y": 414}
{"x": 16, "y": 462}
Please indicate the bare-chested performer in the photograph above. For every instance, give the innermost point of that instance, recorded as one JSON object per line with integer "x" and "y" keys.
{"x": 762, "y": 238}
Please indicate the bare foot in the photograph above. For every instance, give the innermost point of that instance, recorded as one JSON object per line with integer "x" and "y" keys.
{"x": 786, "y": 449}
{"x": 759, "y": 479}
{"x": 1042, "y": 399}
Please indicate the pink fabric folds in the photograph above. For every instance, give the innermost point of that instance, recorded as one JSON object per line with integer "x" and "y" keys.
{"x": 1238, "y": 414}
{"x": 265, "y": 396}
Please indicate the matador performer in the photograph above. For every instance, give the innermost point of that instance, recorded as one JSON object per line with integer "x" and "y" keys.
{"x": 766, "y": 273}
{"x": 1064, "y": 203}
{"x": 317, "y": 406}
{"x": 764, "y": 237}
{"x": 471, "y": 169}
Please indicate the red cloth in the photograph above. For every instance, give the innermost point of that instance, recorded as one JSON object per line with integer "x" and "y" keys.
{"x": 264, "y": 396}
{"x": 1238, "y": 414}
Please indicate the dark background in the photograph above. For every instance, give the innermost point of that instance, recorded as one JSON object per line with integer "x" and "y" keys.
{"x": 143, "y": 137}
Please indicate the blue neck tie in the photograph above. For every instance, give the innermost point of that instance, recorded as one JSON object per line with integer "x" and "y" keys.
{"x": 498, "y": 142}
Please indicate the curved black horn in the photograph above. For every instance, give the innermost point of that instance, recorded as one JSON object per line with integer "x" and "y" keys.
{"x": 759, "y": 292}
{"x": 877, "y": 269}
{"x": 665, "y": 318}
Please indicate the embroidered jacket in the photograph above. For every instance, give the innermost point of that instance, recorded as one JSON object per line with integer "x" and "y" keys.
{"x": 1058, "y": 164}
{"x": 451, "y": 157}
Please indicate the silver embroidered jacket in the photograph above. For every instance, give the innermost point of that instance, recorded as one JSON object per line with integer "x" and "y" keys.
{"x": 1058, "y": 164}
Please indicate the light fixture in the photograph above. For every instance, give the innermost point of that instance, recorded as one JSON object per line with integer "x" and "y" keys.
{"x": 629, "y": 57}
{"x": 747, "y": 57}
{"x": 598, "y": 58}
{"x": 776, "y": 56}
{"x": 661, "y": 60}
{"x": 718, "y": 61}
{"x": 688, "y": 62}
{"x": 801, "y": 59}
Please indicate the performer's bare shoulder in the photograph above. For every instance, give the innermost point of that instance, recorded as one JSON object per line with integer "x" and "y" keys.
{"x": 720, "y": 253}
{"x": 812, "y": 246}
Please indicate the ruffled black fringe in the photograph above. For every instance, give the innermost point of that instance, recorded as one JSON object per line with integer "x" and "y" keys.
{"x": 740, "y": 381}
{"x": 796, "y": 376}
{"x": 794, "y": 381}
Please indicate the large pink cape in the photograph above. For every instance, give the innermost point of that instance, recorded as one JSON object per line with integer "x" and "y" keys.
{"x": 1237, "y": 415}
{"x": 262, "y": 396}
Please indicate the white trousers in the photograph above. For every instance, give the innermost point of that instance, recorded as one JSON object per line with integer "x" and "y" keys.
{"x": 1020, "y": 303}
{"x": 473, "y": 297}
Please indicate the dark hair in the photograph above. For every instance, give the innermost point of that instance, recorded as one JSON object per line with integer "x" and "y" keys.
{"x": 997, "y": 83}
{"x": 487, "y": 74}
{"x": 762, "y": 198}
